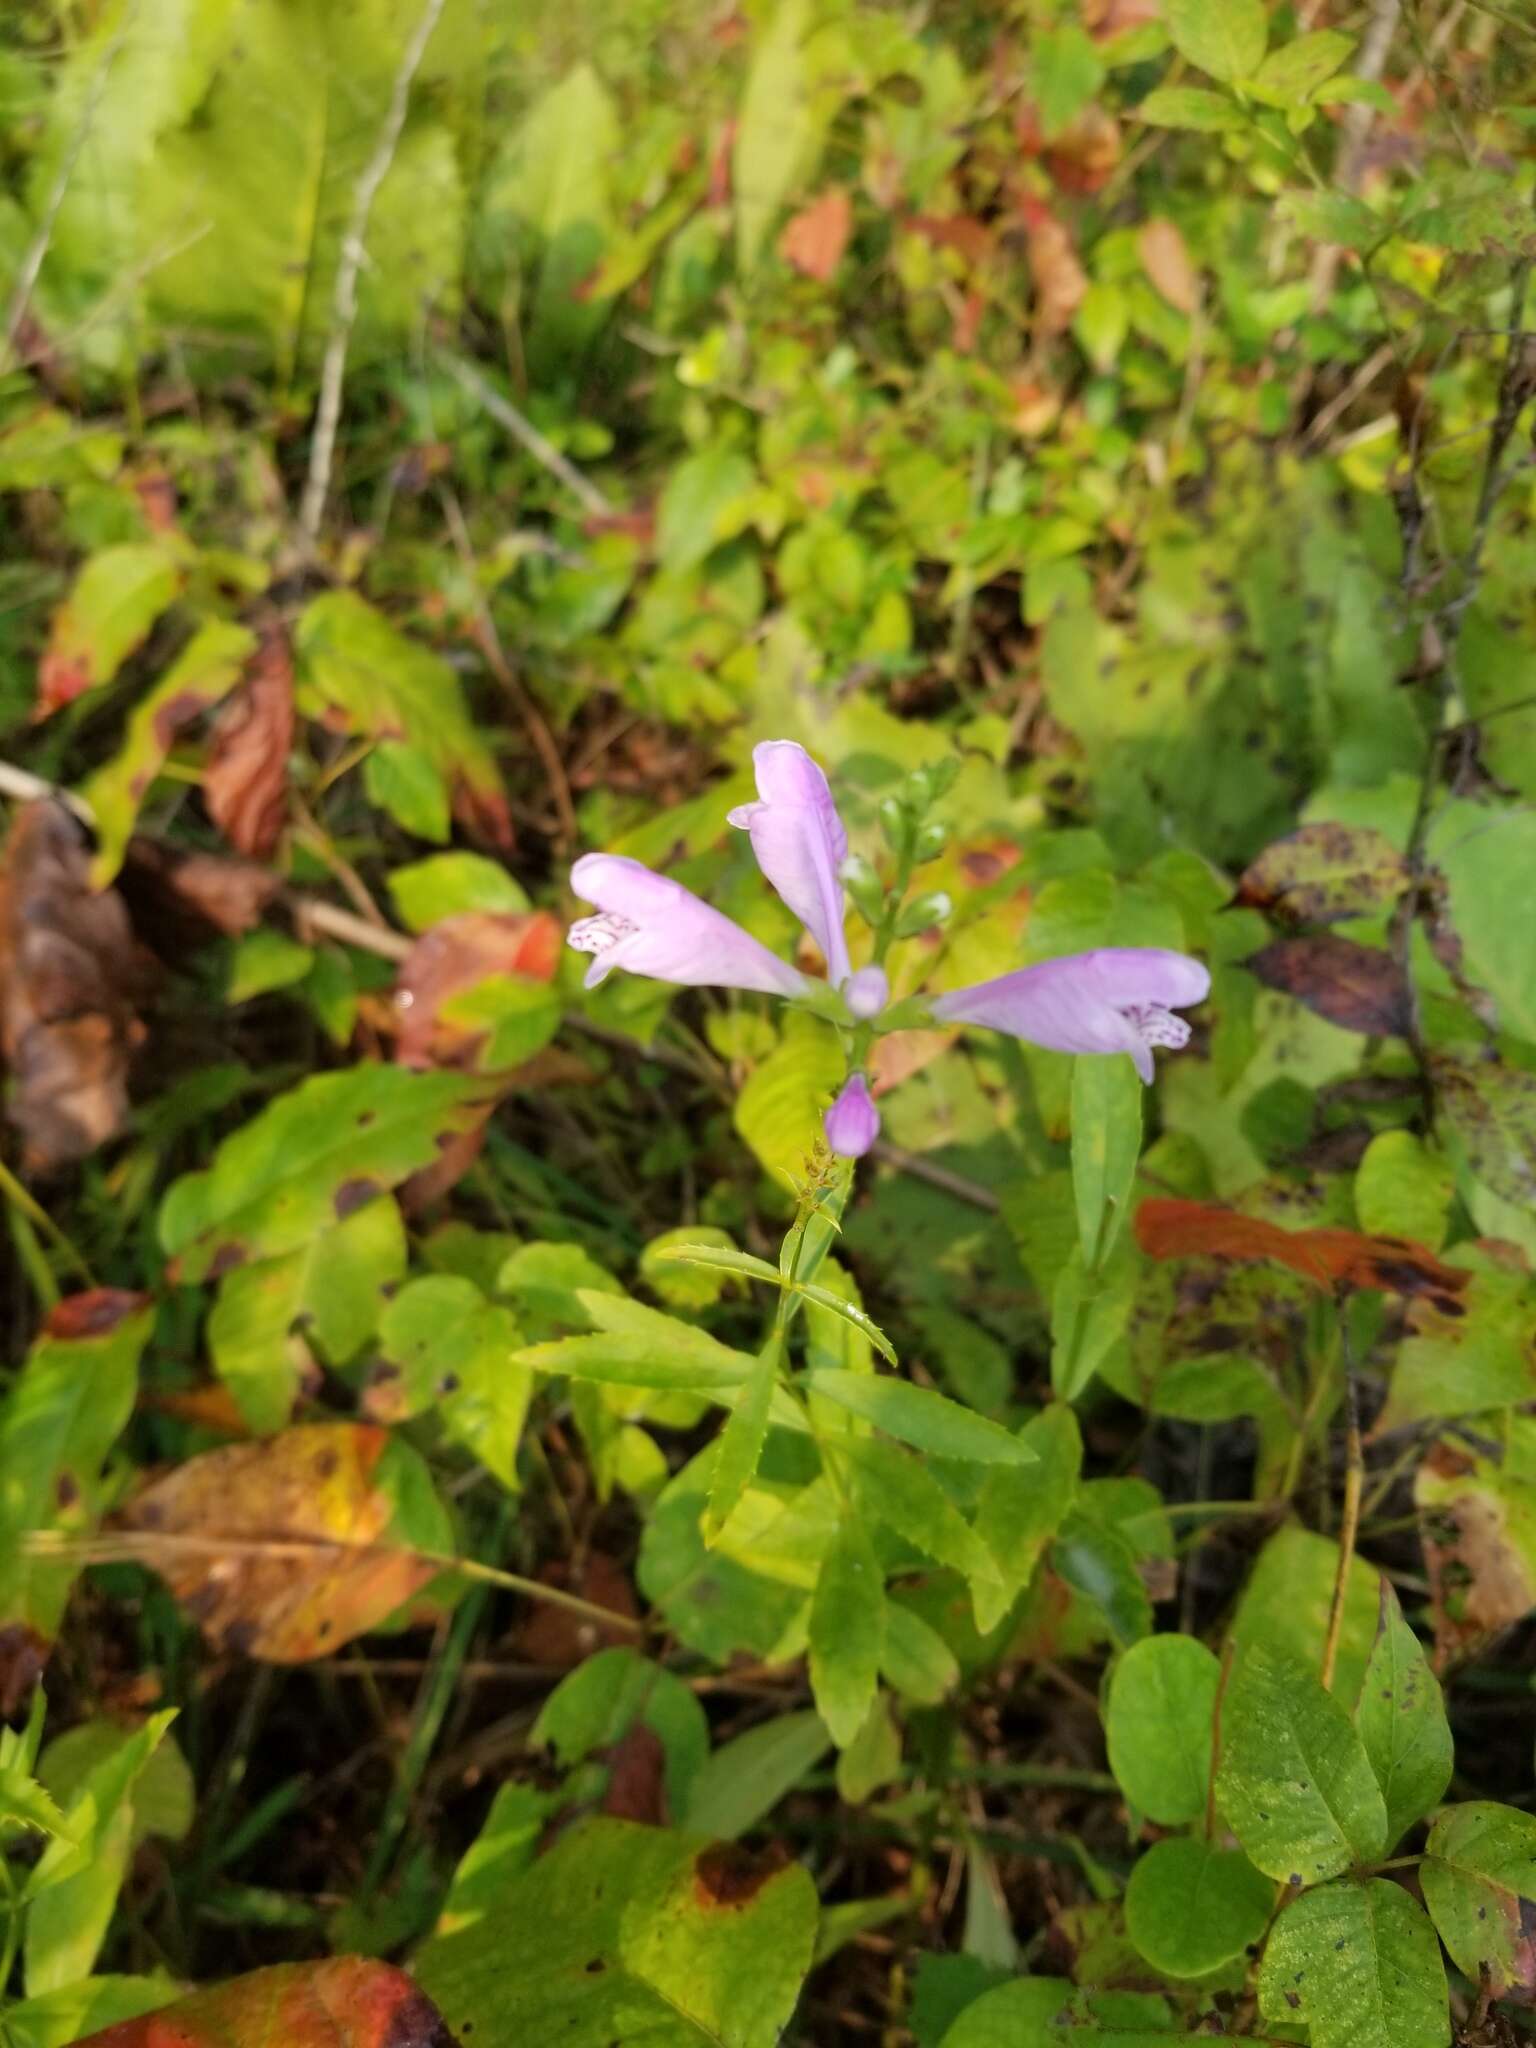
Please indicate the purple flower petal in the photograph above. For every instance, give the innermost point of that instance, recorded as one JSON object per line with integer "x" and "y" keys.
{"x": 1120, "y": 999}
{"x": 853, "y": 1122}
{"x": 652, "y": 925}
{"x": 867, "y": 992}
{"x": 800, "y": 844}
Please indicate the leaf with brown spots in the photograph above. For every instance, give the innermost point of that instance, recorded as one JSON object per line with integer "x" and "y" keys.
{"x": 117, "y": 597}
{"x": 1491, "y": 1108}
{"x": 305, "y": 1161}
{"x": 814, "y": 241}
{"x": 622, "y": 1934}
{"x": 1170, "y": 1228}
{"x": 71, "y": 978}
{"x": 1359, "y": 988}
{"x": 346, "y": 2002}
{"x": 472, "y": 952}
{"x": 61, "y": 1416}
{"x": 1477, "y": 1517}
{"x": 205, "y": 672}
{"x": 1323, "y": 873}
{"x": 245, "y": 784}
{"x": 1479, "y": 1882}
{"x": 286, "y": 1548}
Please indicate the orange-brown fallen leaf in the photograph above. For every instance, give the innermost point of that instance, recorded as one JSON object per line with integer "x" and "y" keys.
{"x": 1331, "y": 1259}
{"x": 814, "y": 241}
{"x": 1166, "y": 259}
{"x": 279, "y": 1548}
{"x": 347, "y": 2002}
{"x": 1060, "y": 280}
{"x": 245, "y": 784}
{"x": 71, "y": 978}
{"x": 455, "y": 955}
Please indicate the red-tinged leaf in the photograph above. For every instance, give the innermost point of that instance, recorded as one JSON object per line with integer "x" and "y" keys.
{"x": 117, "y": 597}
{"x": 1060, "y": 280}
{"x": 1359, "y": 988}
{"x": 456, "y": 955}
{"x": 1082, "y": 156}
{"x": 637, "y": 1786}
{"x": 71, "y": 977}
{"x": 282, "y": 1549}
{"x": 347, "y": 2002}
{"x": 1323, "y": 873}
{"x": 1169, "y": 1228}
{"x": 970, "y": 239}
{"x": 1166, "y": 259}
{"x": 814, "y": 241}
{"x": 245, "y": 784}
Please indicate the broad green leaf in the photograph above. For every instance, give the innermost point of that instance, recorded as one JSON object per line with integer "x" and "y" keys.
{"x": 1479, "y": 1359}
{"x": 309, "y": 1160}
{"x": 847, "y": 1632}
{"x": 1224, "y": 37}
{"x": 745, "y": 1778}
{"x": 1403, "y": 1189}
{"x": 449, "y": 884}
{"x": 1019, "y": 1512}
{"x": 1050, "y": 2012}
{"x": 1106, "y": 1138}
{"x": 265, "y": 960}
{"x": 919, "y": 1416}
{"x": 740, "y": 1443}
{"x": 1479, "y": 1881}
{"x": 779, "y": 1110}
{"x": 1068, "y": 71}
{"x": 60, "y": 1417}
{"x": 714, "y": 1602}
{"x": 546, "y": 1282}
{"x": 900, "y": 1491}
{"x": 61, "y": 2017}
{"x": 1189, "y": 1907}
{"x": 1097, "y": 1560}
{"x": 1286, "y": 1602}
{"x": 164, "y": 1797}
{"x": 775, "y": 131}
{"x": 1290, "y": 75}
{"x": 354, "y": 668}
{"x": 74, "y": 1887}
{"x": 696, "y": 510}
{"x": 1401, "y": 1719}
{"x": 1160, "y": 1723}
{"x": 116, "y": 598}
{"x": 205, "y": 671}
{"x": 915, "y": 1659}
{"x": 696, "y": 1947}
{"x": 1356, "y": 1964}
{"x": 1477, "y": 847}
{"x": 505, "y": 1846}
{"x": 454, "y": 1351}
{"x": 1294, "y": 1780}
{"x": 1190, "y": 106}
{"x": 328, "y": 1293}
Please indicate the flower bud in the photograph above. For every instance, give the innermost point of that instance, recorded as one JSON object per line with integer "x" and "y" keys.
{"x": 922, "y": 912}
{"x": 853, "y": 1122}
{"x": 931, "y": 841}
{"x": 896, "y": 823}
{"x": 867, "y": 992}
{"x": 863, "y": 885}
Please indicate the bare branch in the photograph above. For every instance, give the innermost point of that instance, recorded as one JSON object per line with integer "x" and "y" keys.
{"x": 528, "y": 437}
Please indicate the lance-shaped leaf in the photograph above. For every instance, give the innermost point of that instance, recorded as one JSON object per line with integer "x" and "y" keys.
{"x": 347, "y": 2002}
{"x": 631, "y": 1934}
{"x": 847, "y": 1631}
{"x": 918, "y": 1416}
{"x": 741, "y": 1441}
{"x": 898, "y": 1489}
{"x": 1294, "y": 1781}
{"x": 287, "y": 1548}
{"x": 1401, "y": 1719}
{"x": 1106, "y": 1137}
{"x": 1479, "y": 1879}
{"x": 310, "y": 1159}
{"x": 1357, "y": 1965}
{"x": 1019, "y": 1512}
{"x": 640, "y": 1347}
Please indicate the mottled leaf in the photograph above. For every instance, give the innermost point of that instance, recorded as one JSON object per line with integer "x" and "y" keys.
{"x": 1324, "y": 872}
{"x": 1359, "y": 988}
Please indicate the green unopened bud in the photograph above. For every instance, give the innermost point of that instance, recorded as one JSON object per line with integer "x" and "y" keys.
{"x": 864, "y": 886}
{"x": 941, "y": 776}
{"x": 918, "y": 790}
{"x": 930, "y": 842}
{"x": 923, "y": 911}
{"x": 896, "y": 824}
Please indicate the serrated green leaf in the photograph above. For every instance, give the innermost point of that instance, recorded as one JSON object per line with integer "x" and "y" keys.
{"x": 920, "y": 1417}
{"x": 740, "y": 1444}
{"x": 898, "y": 1490}
{"x": 847, "y": 1632}
{"x": 1224, "y": 37}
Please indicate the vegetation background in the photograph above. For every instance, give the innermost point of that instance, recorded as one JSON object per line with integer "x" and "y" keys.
{"x": 439, "y": 437}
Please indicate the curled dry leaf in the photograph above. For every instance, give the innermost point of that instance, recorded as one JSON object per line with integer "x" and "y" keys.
{"x": 1168, "y": 1228}
{"x": 245, "y": 783}
{"x": 71, "y": 978}
{"x": 814, "y": 241}
{"x": 279, "y": 1548}
{"x": 1359, "y": 988}
{"x": 456, "y": 955}
{"x": 346, "y": 2002}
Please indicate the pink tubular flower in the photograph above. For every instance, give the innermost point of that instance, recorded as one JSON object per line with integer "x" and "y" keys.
{"x": 1120, "y": 999}
{"x": 800, "y": 844}
{"x": 853, "y": 1122}
{"x": 652, "y": 925}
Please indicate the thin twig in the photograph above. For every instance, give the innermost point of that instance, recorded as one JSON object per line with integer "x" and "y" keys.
{"x": 37, "y": 249}
{"x": 322, "y": 448}
{"x": 530, "y": 439}
{"x": 937, "y": 1176}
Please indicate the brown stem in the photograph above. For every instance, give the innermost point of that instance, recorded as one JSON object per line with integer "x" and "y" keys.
{"x": 1354, "y": 1481}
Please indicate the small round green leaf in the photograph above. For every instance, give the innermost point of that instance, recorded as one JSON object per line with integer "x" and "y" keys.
{"x": 1190, "y": 1908}
{"x": 1162, "y": 1704}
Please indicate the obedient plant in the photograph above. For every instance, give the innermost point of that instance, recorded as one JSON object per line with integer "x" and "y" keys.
{"x": 1114, "y": 1000}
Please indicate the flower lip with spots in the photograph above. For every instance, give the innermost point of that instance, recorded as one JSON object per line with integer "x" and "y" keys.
{"x": 1119, "y": 999}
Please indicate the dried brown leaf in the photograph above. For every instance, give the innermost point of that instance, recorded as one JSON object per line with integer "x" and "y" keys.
{"x": 245, "y": 784}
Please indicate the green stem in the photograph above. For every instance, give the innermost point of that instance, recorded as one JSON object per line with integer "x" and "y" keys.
{"x": 20, "y": 1198}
